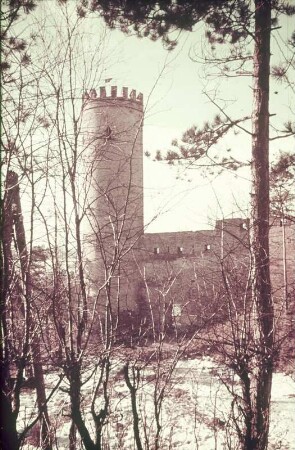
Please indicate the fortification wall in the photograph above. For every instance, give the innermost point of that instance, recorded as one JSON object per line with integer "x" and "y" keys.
{"x": 183, "y": 270}
{"x": 227, "y": 234}
{"x": 191, "y": 263}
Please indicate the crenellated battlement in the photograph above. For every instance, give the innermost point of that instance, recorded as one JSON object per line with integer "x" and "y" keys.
{"x": 111, "y": 92}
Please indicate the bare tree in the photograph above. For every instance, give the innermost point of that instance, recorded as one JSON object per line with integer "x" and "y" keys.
{"x": 19, "y": 336}
{"x": 252, "y": 20}
{"x": 87, "y": 250}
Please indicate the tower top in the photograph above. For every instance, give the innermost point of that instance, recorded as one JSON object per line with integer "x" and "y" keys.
{"x": 111, "y": 93}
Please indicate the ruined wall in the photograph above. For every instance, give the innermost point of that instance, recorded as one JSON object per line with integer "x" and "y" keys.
{"x": 184, "y": 270}
{"x": 187, "y": 266}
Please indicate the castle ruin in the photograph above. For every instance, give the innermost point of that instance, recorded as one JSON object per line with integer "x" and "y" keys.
{"x": 171, "y": 278}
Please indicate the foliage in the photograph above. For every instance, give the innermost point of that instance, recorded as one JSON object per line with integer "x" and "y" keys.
{"x": 227, "y": 21}
{"x": 11, "y": 44}
{"x": 282, "y": 179}
{"x": 197, "y": 147}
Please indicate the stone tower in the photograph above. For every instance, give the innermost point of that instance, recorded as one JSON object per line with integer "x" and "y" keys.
{"x": 112, "y": 160}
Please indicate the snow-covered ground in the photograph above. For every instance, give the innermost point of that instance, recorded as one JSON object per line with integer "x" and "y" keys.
{"x": 194, "y": 415}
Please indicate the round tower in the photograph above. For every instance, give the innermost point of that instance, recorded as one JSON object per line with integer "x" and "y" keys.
{"x": 112, "y": 135}
{"x": 112, "y": 162}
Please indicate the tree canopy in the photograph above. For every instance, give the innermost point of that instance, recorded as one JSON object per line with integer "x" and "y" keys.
{"x": 227, "y": 21}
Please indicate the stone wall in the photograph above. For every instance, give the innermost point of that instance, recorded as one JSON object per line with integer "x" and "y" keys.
{"x": 184, "y": 269}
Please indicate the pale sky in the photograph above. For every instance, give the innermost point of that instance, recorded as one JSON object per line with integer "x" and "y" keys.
{"x": 173, "y": 85}
{"x": 178, "y": 102}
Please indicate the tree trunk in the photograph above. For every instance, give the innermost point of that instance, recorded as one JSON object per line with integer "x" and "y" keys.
{"x": 100, "y": 418}
{"x": 10, "y": 387}
{"x": 133, "y": 389}
{"x": 75, "y": 396}
{"x": 73, "y": 436}
{"x": 46, "y": 441}
{"x": 264, "y": 315}
{"x": 12, "y": 218}
{"x": 8, "y": 433}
